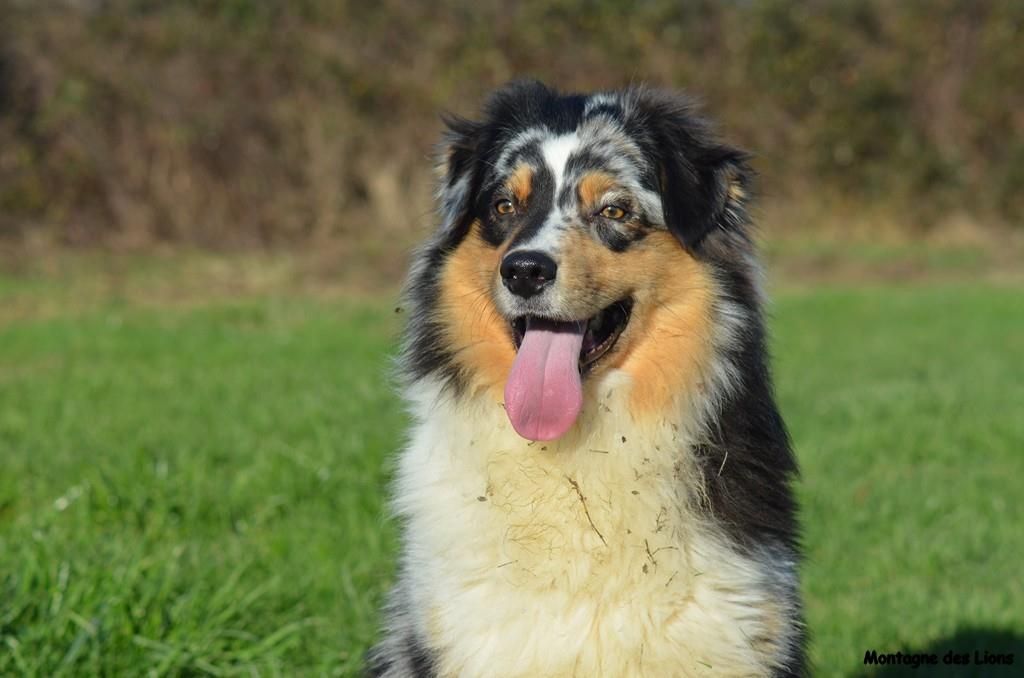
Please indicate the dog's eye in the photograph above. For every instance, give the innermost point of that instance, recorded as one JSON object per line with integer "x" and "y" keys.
{"x": 504, "y": 206}
{"x": 613, "y": 212}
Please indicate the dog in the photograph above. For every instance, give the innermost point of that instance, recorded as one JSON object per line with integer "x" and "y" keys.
{"x": 597, "y": 480}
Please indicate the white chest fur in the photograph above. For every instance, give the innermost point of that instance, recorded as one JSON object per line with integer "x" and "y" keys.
{"x": 584, "y": 556}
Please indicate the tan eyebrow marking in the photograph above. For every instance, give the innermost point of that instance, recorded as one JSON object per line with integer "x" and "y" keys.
{"x": 521, "y": 181}
{"x": 593, "y": 185}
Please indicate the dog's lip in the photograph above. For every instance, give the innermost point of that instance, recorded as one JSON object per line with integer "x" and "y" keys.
{"x": 603, "y": 330}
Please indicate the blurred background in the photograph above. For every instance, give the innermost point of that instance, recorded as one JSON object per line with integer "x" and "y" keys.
{"x": 242, "y": 124}
{"x": 206, "y": 209}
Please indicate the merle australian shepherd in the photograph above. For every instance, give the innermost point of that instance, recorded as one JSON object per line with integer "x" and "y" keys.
{"x": 597, "y": 479}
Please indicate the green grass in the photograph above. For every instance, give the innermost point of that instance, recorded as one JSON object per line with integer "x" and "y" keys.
{"x": 906, "y": 410}
{"x": 193, "y": 490}
{"x": 199, "y": 491}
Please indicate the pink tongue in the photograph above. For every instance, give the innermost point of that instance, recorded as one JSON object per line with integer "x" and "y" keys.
{"x": 543, "y": 395}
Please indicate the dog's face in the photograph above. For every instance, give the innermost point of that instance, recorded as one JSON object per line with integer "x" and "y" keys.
{"x": 572, "y": 247}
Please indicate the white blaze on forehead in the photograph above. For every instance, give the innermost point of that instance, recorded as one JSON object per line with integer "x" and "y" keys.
{"x": 556, "y": 153}
{"x": 622, "y": 157}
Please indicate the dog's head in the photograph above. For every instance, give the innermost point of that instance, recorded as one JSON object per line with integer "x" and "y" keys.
{"x": 581, "y": 236}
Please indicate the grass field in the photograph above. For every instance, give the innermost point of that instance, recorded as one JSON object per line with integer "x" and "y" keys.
{"x": 198, "y": 490}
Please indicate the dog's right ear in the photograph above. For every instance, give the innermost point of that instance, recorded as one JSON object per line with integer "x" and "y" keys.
{"x": 461, "y": 172}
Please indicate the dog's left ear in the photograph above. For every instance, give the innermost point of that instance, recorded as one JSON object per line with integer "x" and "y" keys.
{"x": 704, "y": 184}
{"x": 704, "y": 193}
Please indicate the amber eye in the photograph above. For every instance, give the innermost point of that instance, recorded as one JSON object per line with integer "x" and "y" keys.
{"x": 613, "y": 212}
{"x": 504, "y": 206}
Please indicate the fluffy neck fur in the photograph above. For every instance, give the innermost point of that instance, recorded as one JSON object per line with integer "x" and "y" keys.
{"x": 591, "y": 555}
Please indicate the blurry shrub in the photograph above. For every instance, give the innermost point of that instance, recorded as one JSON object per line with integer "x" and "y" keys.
{"x": 239, "y": 122}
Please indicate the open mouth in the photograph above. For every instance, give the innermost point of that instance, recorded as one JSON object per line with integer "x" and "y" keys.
{"x": 544, "y": 390}
{"x": 599, "y": 336}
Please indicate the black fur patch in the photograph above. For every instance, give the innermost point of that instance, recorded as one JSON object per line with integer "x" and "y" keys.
{"x": 412, "y": 660}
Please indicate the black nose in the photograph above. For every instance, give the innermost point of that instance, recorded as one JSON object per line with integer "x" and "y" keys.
{"x": 527, "y": 273}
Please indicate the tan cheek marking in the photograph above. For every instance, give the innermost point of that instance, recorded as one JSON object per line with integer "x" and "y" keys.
{"x": 667, "y": 346}
{"x": 592, "y": 186}
{"x": 521, "y": 182}
{"x": 670, "y": 346}
{"x": 475, "y": 331}
{"x": 593, "y": 272}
